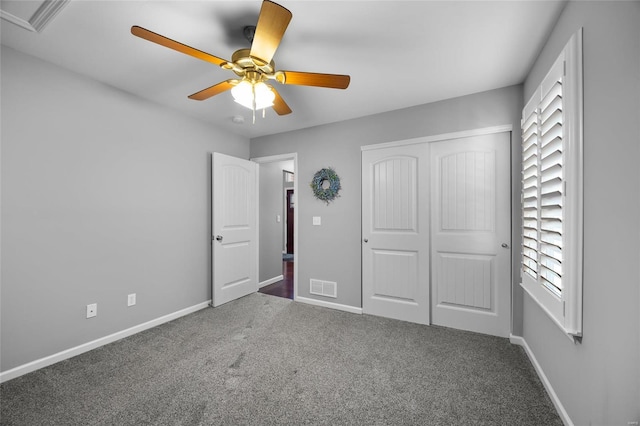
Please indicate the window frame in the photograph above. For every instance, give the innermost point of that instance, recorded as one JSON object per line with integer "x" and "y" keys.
{"x": 565, "y": 310}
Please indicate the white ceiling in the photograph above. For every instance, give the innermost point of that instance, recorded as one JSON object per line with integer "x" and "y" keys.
{"x": 398, "y": 53}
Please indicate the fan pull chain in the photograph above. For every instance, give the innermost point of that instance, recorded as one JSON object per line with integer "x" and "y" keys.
{"x": 253, "y": 90}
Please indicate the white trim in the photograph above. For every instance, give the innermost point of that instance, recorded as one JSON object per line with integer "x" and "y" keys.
{"x": 257, "y": 222}
{"x": 564, "y": 416}
{"x": 17, "y": 21}
{"x": 85, "y": 347}
{"x": 331, "y": 305}
{"x": 39, "y": 19}
{"x": 548, "y": 302}
{"x": 296, "y": 221}
{"x": 274, "y": 158}
{"x": 574, "y": 181}
{"x": 270, "y": 281}
{"x": 441, "y": 137}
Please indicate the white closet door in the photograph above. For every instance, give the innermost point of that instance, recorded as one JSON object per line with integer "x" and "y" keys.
{"x": 395, "y": 232}
{"x": 471, "y": 233}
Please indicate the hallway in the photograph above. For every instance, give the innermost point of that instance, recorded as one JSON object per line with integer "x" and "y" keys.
{"x": 283, "y": 288}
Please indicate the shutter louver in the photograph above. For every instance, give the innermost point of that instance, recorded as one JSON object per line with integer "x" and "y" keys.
{"x": 530, "y": 195}
{"x": 542, "y": 189}
{"x": 551, "y": 188}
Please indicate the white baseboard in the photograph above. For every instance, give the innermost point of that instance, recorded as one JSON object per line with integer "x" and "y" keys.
{"x": 270, "y": 281}
{"x": 85, "y": 347}
{"x": 564, "y": 416}
{"x": 331, "y": 305}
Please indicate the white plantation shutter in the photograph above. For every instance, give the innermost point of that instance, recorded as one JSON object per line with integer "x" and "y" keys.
{"x": 551, "y": 188}
{"x": 552, "y": 191}
{"x": 530, "y": 194}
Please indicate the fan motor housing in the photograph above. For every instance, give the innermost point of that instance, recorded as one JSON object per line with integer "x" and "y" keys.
{"x": 242, "y": 58}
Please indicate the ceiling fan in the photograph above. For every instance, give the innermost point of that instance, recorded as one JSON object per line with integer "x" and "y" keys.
{"x": 254, "y": 66}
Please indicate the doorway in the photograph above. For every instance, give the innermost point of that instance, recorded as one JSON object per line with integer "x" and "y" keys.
{"x": 277, "y": 218}
{"x": 289, "y": 220}
{"x": 284, "y": 287}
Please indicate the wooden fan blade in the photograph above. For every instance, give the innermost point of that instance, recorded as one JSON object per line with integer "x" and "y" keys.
{"x": 172, "y": 44}
{"x": 279, "y": 105}
{"x": 212, "y": 91}
{"x": 333, "y": 81}
{"x": 272, "y": 23}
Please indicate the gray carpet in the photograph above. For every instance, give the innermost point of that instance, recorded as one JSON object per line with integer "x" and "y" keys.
{"x": 263, "y": 360}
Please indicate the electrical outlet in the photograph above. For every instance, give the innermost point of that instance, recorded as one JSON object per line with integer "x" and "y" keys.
{"x": 92, "y": 310}
{"x": 131, "y": 299}
{"x": 317, "y": 221}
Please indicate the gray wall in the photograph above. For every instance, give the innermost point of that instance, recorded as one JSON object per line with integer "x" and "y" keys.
{"x": 271, "y": 231}
{"x": 103, "y": 194}
{"x": 332, "y": 251}
{"x": 598, "y": 381}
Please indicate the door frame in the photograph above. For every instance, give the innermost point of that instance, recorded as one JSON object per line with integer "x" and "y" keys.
{"x": 459, "y": 135}
{"x": 274, "y": 159}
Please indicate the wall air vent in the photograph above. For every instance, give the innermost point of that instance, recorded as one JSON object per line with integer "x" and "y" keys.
{"x": 323, "y": 288}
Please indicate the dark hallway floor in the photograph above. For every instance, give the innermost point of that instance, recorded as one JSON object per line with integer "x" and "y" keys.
{"x": 283, "y": 288}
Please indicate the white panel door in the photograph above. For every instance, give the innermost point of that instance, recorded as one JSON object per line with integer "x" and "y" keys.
{"x": 471, "y": 234}
{"x": 395, "y": 232}
{"x": 234, "y": 227}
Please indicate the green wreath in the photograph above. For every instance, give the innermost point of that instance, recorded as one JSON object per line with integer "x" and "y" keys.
{"x": 325, "y": 185}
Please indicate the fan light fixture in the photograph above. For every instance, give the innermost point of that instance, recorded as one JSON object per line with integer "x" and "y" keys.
{"x": 253, "y": 95}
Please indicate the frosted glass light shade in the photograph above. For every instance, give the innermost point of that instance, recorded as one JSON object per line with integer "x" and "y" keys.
{"x": 244, "y": 92}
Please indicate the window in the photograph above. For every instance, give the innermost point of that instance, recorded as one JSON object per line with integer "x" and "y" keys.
{"x": 552, "y": 191}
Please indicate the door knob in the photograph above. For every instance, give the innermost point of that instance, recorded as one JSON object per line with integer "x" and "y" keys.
{"x": 366, "y": 240}
{"x": 218, "y": 237}
{"x": 505, "y": 245}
